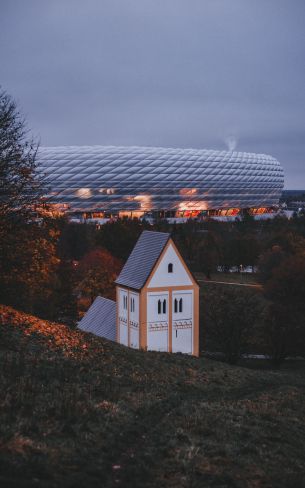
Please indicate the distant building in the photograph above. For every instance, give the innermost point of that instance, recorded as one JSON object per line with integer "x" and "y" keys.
{"x": 99, "y": 181}
{"x": 157, "y": 305}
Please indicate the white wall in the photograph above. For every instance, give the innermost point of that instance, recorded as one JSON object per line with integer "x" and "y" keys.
{"x": 126, "y": 312}
{"x": 161, "y": 276}
{"x": 123, "y": 317}
{"x": 134, "y": 322}
{"x": 187, "y": 305}
{"x": 157, "y": 324}
{"x": 183, "y": 322}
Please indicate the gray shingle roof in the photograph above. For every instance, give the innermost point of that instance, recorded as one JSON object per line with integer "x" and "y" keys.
{"x": 100, "y": 319}
{"x": 142, "y": 259}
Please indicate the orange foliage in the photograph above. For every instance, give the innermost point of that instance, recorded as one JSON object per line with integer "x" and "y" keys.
{"x": 97, "y": 271}
{"x": 73, "y": 343}
{"x": 100, "y": 258}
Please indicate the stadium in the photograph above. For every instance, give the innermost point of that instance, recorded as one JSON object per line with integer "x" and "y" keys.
{"x": 105, "y": 181}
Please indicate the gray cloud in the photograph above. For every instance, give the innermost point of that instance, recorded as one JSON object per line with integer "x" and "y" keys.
{"x": 182, "y": 73}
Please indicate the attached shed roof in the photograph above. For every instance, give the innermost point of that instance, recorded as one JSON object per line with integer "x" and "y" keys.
{"x": 142, "y": 259}
{"x": 100, "y": 319}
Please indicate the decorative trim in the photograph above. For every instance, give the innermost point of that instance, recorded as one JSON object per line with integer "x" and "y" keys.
{"x": 157, "y": 326}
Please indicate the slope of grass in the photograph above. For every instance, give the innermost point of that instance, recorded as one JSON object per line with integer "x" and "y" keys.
{"x": 78, "y": 411}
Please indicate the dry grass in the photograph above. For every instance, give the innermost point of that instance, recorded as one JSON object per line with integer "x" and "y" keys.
{"x": 78, "y": 411}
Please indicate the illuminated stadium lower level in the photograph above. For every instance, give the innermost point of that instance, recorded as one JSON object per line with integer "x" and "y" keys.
{"x": 100, "y": 181}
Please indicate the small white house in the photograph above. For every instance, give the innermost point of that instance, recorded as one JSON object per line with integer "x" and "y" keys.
{"x": 157, "y": 300}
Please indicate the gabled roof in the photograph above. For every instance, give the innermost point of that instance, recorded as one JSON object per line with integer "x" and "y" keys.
{"x": 100, "y": 319}
{"x": 142, "y": 259}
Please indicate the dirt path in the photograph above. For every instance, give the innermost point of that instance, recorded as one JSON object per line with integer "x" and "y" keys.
{"x": 229, "y": 283}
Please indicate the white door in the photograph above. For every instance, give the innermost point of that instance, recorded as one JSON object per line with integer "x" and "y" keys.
{"x": 157, "y": 321}
{"x": 182, "y": 327}
{"x": 123, "y": 316}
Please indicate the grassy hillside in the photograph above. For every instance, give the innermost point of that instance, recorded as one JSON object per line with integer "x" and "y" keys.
{"x": 78, "y": 411}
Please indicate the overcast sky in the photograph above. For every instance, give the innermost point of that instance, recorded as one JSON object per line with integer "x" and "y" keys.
{"x": 173, "y": 73}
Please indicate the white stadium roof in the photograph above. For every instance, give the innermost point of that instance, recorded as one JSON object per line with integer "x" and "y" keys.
{"x": 110, "y": 178}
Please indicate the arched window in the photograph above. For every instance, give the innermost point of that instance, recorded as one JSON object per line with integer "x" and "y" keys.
{"x": 170, "y": 267}
{"x": 159, "y": 306}
{"x": 164, "y": 306}
{"x": 180, "y": 305}
{"x": 175, "y": 305}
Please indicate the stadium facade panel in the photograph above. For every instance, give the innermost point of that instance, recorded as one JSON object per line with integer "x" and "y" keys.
{"x": 142, "y": 179}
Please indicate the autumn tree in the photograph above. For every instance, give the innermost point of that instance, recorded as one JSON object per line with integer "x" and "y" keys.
{"x": 231, "y": 315}
{"x": 120, "y": 237}
{"x": 285, "y": 319}
{"x": 207, "y": 254}
{"x": 76, "y": 240}
{"x": 242, "y": 250}
{"x": 290, "y": 241}
{"x": 96, "y": 272}
{"x": 20, "y": 185}
{"x": 187, "y": 238}
{"x": 64, "y": 295}
{"x": 269, "y": 261}
{"x": 28, "y": 263}
{"x": 27, "y": 244}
